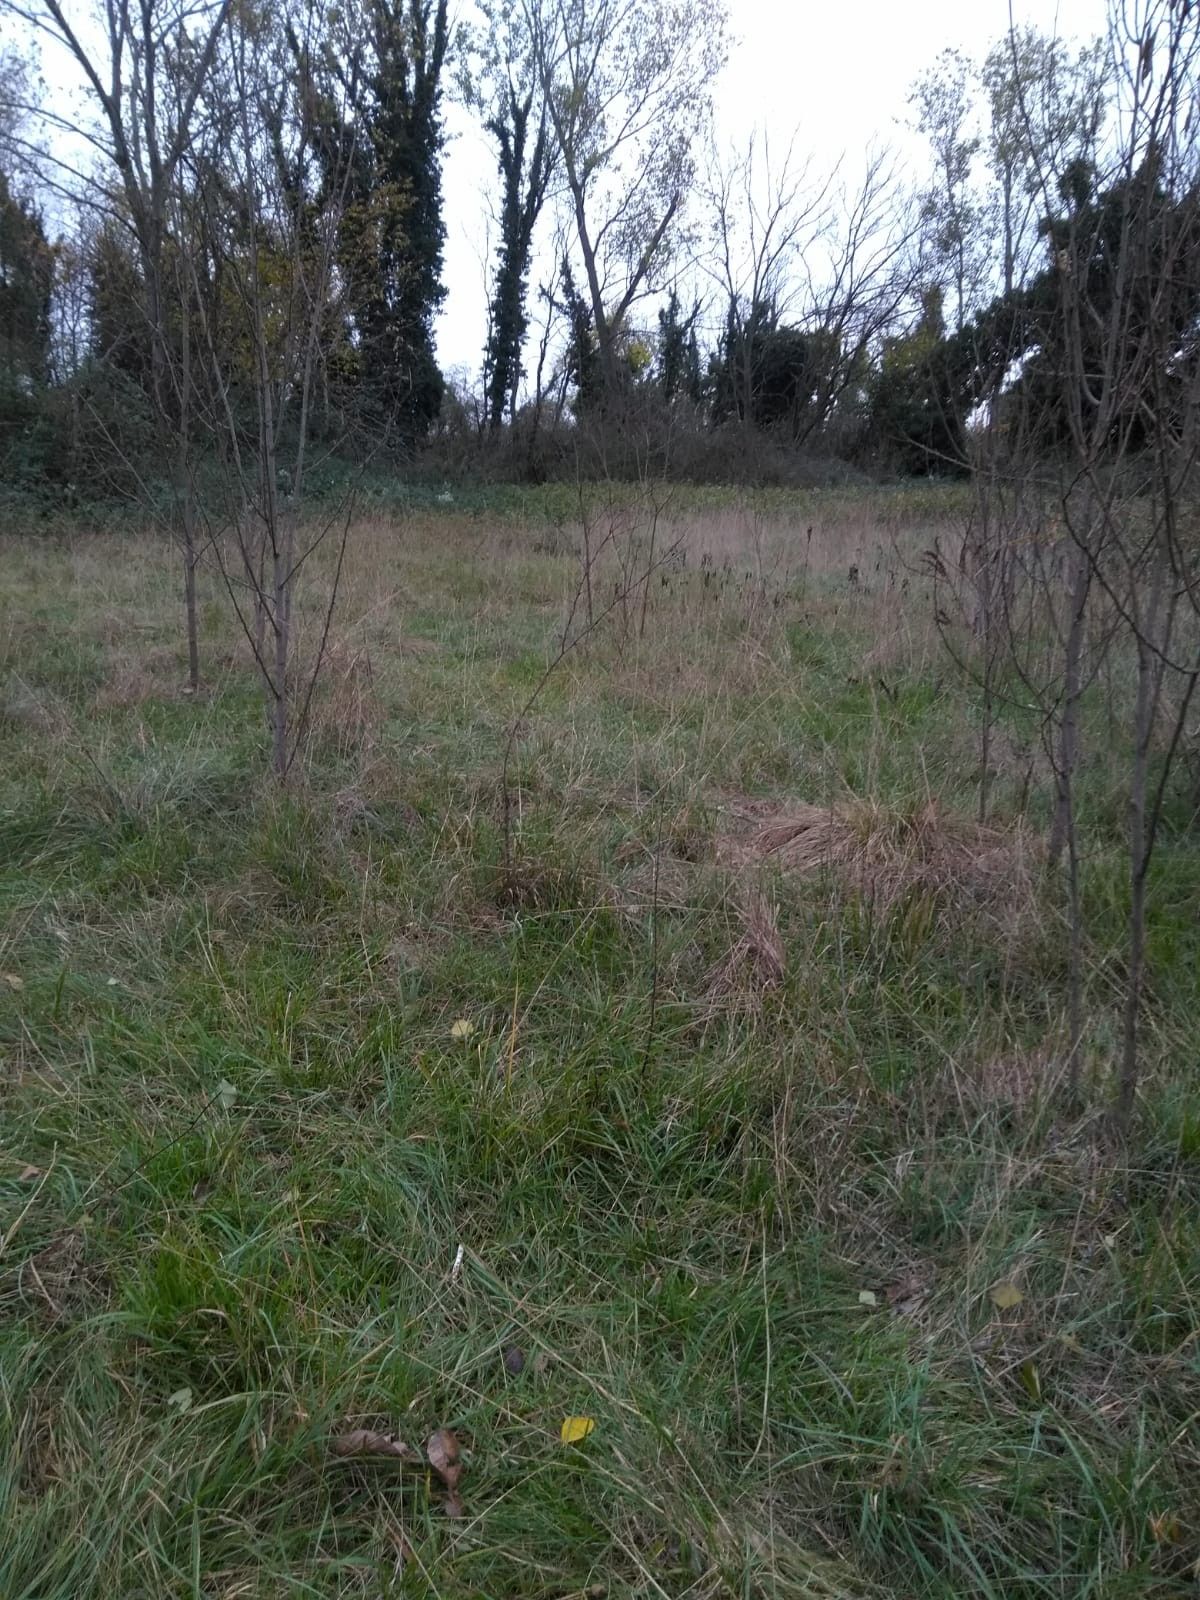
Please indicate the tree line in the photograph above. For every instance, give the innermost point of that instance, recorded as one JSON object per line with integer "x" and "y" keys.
{"x": 647, "y": 288}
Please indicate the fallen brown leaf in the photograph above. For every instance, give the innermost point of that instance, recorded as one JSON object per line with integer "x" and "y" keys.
{"x": 452, "y": 1506}
{"x": 404, "y": 1550}
{"x": 368, "y": 1442}
{"x": 514, "y": 1360}
{"x": 907, "y": 1294}
{"x": 29, "y": 1173}
{"x": 442, "y": 1450}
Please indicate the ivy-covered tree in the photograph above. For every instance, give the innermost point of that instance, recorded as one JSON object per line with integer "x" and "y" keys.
{"x": 916, "y": 408}
{"x": 499, "y": 81}
{"x": 679, "y": 375}
{"x": 525, "y": 166}
{"x": 1132, "y": 249}
{"x": 376, "y": 90}
{"x": 406, "y": 136}
{"x": 771, "y": 374}
{"x": 26, "y": 285}
{"x": 582, "y": 358}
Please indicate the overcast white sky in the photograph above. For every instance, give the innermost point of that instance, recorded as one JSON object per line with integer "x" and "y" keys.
{"x": 835, "y": 72}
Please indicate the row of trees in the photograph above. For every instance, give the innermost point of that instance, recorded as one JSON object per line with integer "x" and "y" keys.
{"x": 838, "y": 313}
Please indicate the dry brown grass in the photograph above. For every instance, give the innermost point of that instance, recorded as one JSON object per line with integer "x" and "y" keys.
{"x": 1012, "y": 1080}
{"x": 886, "y": 854}
{"x": 139, "y": 674}
{"x": 757, "y": 960}
{"x": 346, "y": 711}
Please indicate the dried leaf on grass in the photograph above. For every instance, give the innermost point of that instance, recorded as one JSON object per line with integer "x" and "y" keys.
{"x": 576, "y": 1428}
{"x": 907, "y": 1294}
{"x": 369, "y": 1442}
{"x": 442, "y": 1448}
{"x": 1006, "y": 1296}
{"x": 1166, "y": 1528}
{"x": 514, "y": 1360}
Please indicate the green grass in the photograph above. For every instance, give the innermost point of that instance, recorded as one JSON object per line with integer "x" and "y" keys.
{"x": 754, "y": 1236}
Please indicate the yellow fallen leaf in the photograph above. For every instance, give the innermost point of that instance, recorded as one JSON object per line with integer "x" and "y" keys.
{"x": 866, "y": 1297}
{"x": 1006, "y": 1296}
{"x": 576, "y": 1428}
{"x": 462, "y": 1029}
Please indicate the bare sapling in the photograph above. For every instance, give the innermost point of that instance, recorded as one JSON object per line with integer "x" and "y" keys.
{"x": 264, "y": 351}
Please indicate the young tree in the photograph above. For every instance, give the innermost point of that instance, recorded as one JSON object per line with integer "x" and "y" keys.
{"x": 1086, "y": 385}
{"x": 147, "y": 67}
{"x": 271, "y": 242}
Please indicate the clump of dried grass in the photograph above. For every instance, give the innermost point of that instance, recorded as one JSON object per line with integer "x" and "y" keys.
{"x": 25, "y": 708}
{"x": 887, "y": 855}
{"x": 1010, "y": 1080}
{"x": 137, "y": 677}
{"x": 757, "y": 960}
{"x": 346, "y": 711}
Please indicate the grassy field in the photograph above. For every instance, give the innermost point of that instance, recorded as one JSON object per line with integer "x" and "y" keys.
{"x": 723, "y": 1113}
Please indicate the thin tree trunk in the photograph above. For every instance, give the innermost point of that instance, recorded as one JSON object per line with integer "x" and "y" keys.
{"x": 650, "y": 565}
{"x": 1138, "y": 865}
{"x": 1068, "y": 733}
{"x": 281, "y": 566}
{"x": 187, "y": 509}
{"x": 1074, "y": 961}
